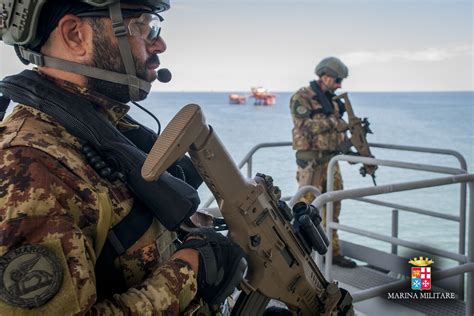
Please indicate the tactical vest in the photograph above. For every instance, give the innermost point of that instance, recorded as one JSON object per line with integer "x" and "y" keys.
{"x": 316, "y": 122}
{"x": 111, "y": 242}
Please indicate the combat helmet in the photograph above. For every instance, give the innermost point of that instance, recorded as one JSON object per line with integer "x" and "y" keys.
{"x": 332, "y": 66}
{"x": 19, "y": 25}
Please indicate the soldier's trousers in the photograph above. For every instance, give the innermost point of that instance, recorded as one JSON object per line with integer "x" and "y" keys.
{"x": 316, "y": 175}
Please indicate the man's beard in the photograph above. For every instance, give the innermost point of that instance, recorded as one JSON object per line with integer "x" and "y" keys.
{"x": 106, "y": 55}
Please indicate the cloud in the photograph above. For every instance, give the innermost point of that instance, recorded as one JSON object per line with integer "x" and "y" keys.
{"x": 424, "y": 55}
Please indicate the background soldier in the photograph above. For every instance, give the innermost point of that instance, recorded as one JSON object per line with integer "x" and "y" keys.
{"x": 80, "y": 230}
{"x": 319, "y": 133}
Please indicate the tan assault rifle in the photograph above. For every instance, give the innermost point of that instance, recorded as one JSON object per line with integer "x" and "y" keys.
{"x": 359, "y": 130}
{"x": 280, "y": 266}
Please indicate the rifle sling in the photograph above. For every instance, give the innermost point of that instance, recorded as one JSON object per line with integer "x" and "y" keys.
{"x": 325, "y": 100}
{"x": 82, "y": 120}
{"x": 321, "y": 98}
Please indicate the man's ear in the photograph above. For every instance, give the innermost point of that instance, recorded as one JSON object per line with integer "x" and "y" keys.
{"x": 75, "y": 36}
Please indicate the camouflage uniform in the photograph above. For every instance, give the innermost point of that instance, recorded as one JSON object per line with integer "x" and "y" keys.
{"x": 51, "y": 196}
{"x": 317, "y": 137}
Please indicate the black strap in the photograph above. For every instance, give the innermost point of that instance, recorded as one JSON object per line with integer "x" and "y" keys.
{"x": 4, "y": 102}
{"x": 122, "y": 236}
{"x": 342, "y": 107}
{"x": 321, "y": 98}
{"x": 144, "y": 138}
{"x": 81, "y": 120}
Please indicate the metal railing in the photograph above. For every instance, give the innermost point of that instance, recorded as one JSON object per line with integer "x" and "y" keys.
{"x": 460, "y": 176}
{"x": 248, "y": 159}
{"x": 462, "y": 165}
{"x": 332, "y": 196}
{"x": 384, "y": 189}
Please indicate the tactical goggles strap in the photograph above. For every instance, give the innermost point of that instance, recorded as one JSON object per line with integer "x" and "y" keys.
{"x": 93, "y": 72}
{"x": 120, "y": 32}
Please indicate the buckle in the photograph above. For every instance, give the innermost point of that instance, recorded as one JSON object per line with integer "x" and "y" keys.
{"x": 119, "y": 29}
{"x": 32, "y": 57}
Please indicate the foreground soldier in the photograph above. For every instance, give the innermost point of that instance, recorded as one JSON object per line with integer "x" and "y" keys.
{"x": 319, "y": 133}
{"x": 80, "y": 231}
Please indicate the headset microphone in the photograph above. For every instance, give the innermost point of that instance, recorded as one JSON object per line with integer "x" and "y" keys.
{"x": 164, "y": 75}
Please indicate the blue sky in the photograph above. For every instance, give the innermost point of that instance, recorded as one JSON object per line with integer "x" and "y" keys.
{"x": 231, "y": 45}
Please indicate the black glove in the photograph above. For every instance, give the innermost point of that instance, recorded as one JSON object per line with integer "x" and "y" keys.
{"x": 222, "y": 264}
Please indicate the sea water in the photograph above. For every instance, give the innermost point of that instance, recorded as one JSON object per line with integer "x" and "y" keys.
{"x": 425, "y": 119}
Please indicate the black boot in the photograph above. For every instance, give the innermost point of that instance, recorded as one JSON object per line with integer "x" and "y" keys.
{"x": 344, "y": 262}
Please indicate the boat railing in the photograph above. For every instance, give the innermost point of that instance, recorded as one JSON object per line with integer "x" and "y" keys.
{"x": 248, "y": 160}
{"x": 457, "y": 175}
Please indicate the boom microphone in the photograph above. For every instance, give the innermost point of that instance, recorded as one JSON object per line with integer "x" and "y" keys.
{"x": 163, "y": 75}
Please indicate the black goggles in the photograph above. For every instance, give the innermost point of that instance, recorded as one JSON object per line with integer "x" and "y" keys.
{"x": 338, "y": 80}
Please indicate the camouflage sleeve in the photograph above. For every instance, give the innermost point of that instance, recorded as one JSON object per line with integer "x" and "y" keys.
{"x": 305, "y": 118}
{"x": 168, "y": 291}
{"x": 47, "y": 234}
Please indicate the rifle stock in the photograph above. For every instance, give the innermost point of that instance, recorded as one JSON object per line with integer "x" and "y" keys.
{"x": 359, "y": 129}
{"x": 279, "y": 265}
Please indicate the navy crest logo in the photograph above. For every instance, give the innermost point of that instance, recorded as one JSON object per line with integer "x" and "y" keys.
{"x": 421, "y": 274}
{"x": 29, "y": 276}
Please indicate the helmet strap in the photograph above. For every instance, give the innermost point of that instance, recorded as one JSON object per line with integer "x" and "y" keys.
{"x": 120, "y": 33}
{"x": 130, "y": 78}
{"x": 323, "y": 86}
{"x": 85, "y": 70}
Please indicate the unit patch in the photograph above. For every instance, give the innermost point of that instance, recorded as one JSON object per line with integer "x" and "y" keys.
{"x": 29, "y": 276}
{"x": 301, "y": 110}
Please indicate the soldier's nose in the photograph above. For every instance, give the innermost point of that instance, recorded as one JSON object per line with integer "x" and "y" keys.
{"x": 158, "y": 46}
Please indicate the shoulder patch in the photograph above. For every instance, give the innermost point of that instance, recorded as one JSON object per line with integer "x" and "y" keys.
{"x": 301, "y": 110}
{"x": 29, "y": 276}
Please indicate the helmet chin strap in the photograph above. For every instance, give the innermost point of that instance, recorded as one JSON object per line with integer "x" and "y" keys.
{"x": 120, "y": 32}
{"x": 323, "y": 85}
{"x": 130, "y": 78}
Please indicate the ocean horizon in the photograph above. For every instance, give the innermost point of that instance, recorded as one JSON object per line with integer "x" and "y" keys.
{"x": 426, "y": 119}
{"x": 438, "y": 119}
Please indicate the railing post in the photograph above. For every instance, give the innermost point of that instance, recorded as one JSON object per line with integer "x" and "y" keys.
{"x": 470, "y": 253}
{"x": 395, "y": 230}
{"x": 329, "y": 220}
{"x": 249, "y": 168}
{"x": 462, "y": 229}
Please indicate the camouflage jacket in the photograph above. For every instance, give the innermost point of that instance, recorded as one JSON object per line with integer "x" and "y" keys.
{"x": 51, "y": 198}
{"x": 314, "y": 130}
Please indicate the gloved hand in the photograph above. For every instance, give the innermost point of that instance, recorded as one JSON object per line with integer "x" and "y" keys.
{"x": 345, "y": 147}
{"x": 342, "y": 126}
{"x": 222, "y": 264}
